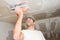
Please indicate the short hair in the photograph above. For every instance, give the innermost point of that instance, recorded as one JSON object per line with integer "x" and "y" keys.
{"x": 31, "y": 18}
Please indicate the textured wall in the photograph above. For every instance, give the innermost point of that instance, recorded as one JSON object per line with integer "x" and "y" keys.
{"x": 5, "y": 31}
{"x": 49, "y": 24}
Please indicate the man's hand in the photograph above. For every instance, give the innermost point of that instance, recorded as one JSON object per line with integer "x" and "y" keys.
{"x": 19, "y": 11}
{"x": 17, "y": 27}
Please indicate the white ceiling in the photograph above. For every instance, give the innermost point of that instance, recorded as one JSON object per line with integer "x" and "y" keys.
{"x": 36, "y": 6}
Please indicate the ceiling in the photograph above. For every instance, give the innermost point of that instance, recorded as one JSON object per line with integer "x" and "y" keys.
{"x": 40, "y": 9}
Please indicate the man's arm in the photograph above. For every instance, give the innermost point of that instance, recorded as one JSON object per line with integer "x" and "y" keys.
{"x": 17, "y": 27}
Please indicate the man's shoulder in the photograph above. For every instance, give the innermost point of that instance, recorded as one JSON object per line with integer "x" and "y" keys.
{"x": 24, "y": 31}
{"x": 38, "y": 31}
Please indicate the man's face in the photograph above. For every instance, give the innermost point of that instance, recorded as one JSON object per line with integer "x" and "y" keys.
{"x": 30, "y": 22}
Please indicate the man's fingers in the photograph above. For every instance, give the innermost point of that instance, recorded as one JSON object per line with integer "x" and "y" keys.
{"x": 17, "y": 9}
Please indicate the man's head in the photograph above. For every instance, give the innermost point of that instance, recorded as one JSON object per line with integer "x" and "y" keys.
{"x": 30, "y": 21}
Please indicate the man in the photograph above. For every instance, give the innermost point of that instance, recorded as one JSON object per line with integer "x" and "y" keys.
{"x": 28, "y": 34}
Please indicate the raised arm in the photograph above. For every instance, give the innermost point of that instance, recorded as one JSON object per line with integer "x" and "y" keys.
{"x": 17, "y": 27}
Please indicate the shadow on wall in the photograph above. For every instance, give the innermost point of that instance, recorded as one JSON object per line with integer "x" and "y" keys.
{"x": 10, "y": 35}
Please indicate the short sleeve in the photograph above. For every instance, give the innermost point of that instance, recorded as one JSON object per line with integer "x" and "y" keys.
{"x": 42, "y": 36}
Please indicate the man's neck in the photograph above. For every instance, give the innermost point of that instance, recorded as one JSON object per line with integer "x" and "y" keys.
{"x": 31, "y": 28}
